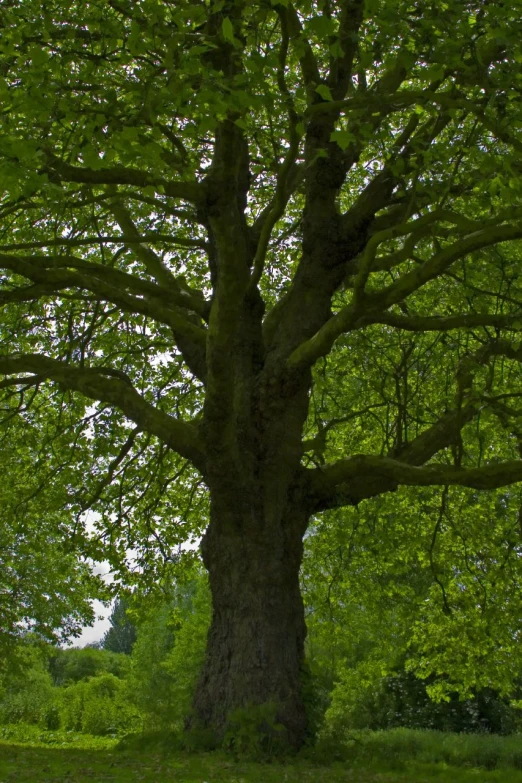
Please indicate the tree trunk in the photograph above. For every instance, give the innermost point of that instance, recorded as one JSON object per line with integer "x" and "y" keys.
{"x": 256, "y": 640}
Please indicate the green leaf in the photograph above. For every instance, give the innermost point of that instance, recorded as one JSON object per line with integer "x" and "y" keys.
{"x": 336, "y": 50}
{"x": 343, "y": 138}
{"x": 227, "y": 30}
{"x": 324, "y": 91}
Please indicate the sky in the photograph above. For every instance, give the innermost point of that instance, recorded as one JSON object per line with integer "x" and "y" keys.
{"x": 95, "y": 632}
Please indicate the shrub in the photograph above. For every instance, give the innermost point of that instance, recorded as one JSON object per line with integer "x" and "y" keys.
{"x": 99, "y": 706}
{"x": 253, "y": 732}
{"x": 397, "y": 748}
{"x": 28, "y": 696}
{"x": 365, "y": 697}
{"x": 75, "y": 664}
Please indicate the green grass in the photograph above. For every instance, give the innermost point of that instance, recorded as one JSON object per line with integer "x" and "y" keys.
{"x": 380, "y": 757}
{"x": 396, "y": 747}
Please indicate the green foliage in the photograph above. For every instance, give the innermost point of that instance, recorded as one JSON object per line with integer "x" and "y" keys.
{"x": 424, "y": 580}
{"x": 150, "y": 684}
{"x": 364, "y": 698}
{"x": 254, "y": 732}
{"x": 387, "y": 757}
{"x": 45, "y": 586}
{"x": 399, "y": 748}
{"x": 168, "y": 655}
{"x": 273, "y": 251}
{"x": 80, "y": 663}
{"x": 99, "y": 706}
{"x": 184, "y": 661}
{"x": 27, "y": 694}
{"x": 28, "y": 735}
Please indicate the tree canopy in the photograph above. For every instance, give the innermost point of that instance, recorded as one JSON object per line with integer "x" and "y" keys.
{"x": 46, "y": 584}
{"x": 261, "y": 262}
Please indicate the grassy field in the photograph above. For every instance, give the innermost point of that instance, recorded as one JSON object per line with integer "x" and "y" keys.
{"x": 387, "y": 757}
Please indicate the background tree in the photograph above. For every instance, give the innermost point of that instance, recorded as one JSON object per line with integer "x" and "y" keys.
{"x": 260, "y": 259}
{"x": 169, "y": 654}
{"x": 121, "y": 635}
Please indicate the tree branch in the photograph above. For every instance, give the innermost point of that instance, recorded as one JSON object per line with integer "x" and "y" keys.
{"x": 120, "y": 175}
{"x": 152, "y": 262}
{"x": 353, "y": 316}
{"x": 109, "y": 386}
{"x": 340, "y": 72}
{"x": 443, "y": 323}
{"x": 115, "y": 277}
{"x": 351, "y": 480}
{"x": 437, "y": 264}
{"x": 132, "y": 239}
{"x": 307, "y": 61}
{"x": 146, "y": 298}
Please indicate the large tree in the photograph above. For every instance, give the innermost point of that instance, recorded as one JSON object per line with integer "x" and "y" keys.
{"x": 265, "y": 251}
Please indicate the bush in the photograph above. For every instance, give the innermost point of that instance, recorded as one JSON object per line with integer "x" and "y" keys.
{"x": 397, "y": 748}
{"x": 253, "y": 732}
{"x": 99, "y": 706}
{"x": 23, "y": 734}
{"x": 28, "y": 696}
{"x": 365, "y": 698}
{"x": 79, "y": 663}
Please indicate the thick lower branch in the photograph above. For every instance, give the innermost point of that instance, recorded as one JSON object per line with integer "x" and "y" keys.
{"x": 349, "y": 481}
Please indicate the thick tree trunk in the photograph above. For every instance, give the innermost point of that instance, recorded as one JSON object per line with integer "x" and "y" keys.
{"x": 256, "y": 640}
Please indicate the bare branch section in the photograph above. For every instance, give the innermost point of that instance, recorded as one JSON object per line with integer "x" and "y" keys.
{"x": 307, "y": 61}
{"x": 109, "y": 386}
{"x": 129, "y": 239}
{"x": 340, "y": 71}
{"x": 441, "y": 323}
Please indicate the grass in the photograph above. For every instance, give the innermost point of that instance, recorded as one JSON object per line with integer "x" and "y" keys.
{"x": 381, "y": 757}
{"x": 397, "y": 747}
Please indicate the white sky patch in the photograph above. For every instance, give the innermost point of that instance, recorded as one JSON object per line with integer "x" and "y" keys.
{"x": 95, "y": 632}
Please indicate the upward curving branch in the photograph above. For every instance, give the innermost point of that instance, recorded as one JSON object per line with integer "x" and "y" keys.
{"x": 105, "y": 284}
{"x": 367, "y": 308}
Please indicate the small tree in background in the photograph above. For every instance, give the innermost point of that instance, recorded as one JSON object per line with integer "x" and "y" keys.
{"x": 121, "y": 635}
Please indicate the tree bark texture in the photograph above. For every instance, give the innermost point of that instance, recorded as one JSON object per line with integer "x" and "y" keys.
{"x": 256, "y": 640}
